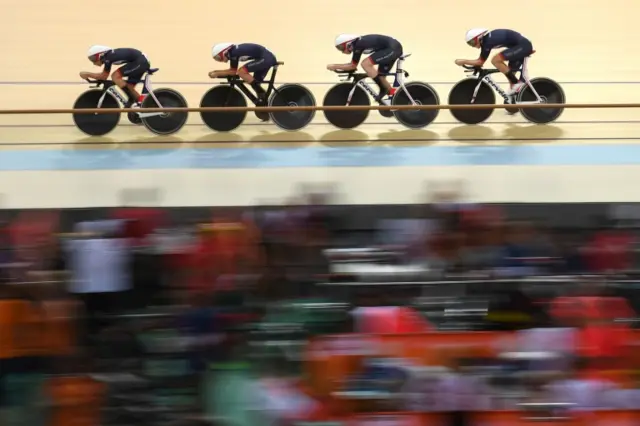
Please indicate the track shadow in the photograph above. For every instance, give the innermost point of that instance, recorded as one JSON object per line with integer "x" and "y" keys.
{"x": 95, "y": 142}
{"x": 345, "y": 138}
{"x": 472, "y": 133}
{"x": 220, "y": 139}
{"x": 408, "y": 137}
{"x": 282, "y": 139}
{"x": 92, "y": 153}
{"x": 533, "y": 133}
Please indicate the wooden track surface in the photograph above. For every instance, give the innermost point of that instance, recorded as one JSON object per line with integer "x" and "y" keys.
{"x": 44, "y": 45}
{"x": 588, "y": 46}
{"x": 575, "y": 39}
{"x": 574, "y": 126}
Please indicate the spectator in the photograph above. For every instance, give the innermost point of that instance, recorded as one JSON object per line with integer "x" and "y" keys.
{"x": 100, "y": 263}
{"x": 520, "y": 256}
{"x": 610, "y": 251}
{"x": 76, "y": 398}
{"x": 409, "y": 235}
{"x": 584, "y": 393}
{"x": 20, "y": 350}
{"x": 483, "y": 250}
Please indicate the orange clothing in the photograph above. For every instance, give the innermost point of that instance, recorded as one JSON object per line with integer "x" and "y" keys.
{"x": 60, "y": 327}
{"x": 12, "y": 315}
{"x": 33, "y": 341}
{"x": 76, "y": 401}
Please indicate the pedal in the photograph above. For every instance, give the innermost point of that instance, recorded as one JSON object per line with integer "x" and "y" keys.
{"x": 514, "y": 110}
{"x": 262, "y": 116}
{"x": 134, "y": 118}
{"x": 385, "y": 101}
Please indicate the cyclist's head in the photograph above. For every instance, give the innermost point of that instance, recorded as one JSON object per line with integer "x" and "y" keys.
{"x": 344, "y": 42}
{"x": 96, "y": 52}
{"x": 474, "y": 35}
{"x": 220, "y": 52}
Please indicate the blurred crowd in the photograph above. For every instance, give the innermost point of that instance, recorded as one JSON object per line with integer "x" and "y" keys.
{"x": 139, "y": 317}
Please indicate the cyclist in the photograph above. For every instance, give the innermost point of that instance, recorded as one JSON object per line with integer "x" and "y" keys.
{"x": 261, "y": 61}
{"x": 517, "y": 46}
{"x": 384, "y": 51}
{"x": 134, "y": 62}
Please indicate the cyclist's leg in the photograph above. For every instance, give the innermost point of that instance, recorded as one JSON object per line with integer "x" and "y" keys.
{"x": 254, "y": 73}
{"x": 385, "y": 59}
{"x": 515, "y": 66}
{"x": 513, "y": 55}
{"x": 133, "y": 72}
{"x": 247, "y": 70}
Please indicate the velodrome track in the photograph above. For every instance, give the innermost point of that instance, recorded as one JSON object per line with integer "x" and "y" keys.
{"x": 575, "y": 126}
{"x": 44, "y": 46}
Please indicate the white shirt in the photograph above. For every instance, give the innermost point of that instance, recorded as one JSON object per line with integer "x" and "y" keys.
{"x": 99, "y": 265}
{"x": 622, "y": 399}
{"x": 446, "y": 391}
{"x": 586, "y": 394}
{"x": 552, "y": 339}
{"x": 281, "y": 400}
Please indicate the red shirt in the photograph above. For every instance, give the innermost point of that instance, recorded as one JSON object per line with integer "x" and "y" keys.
{"x": 610, "y": 251}
{"x": 226, "y": 248}
{"x": 33, "y": 228}
{"x": 140, "y": 221}
{"x": 390, "y": 319}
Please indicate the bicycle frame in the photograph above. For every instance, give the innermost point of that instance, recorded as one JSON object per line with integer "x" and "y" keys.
{"x": 507, "y": 99}
{"x": 146, "y": 87}
{"x": 491, "y": 82}
{"x": 399, "y": 74}
{"x": 525, "y": 75}
{"x": 239, "y": 83}
{"x": 248, "y": 93}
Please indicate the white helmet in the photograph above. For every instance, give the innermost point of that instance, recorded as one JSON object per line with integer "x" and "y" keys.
{"x": 218, "y": 51}
{"x": 96, "y": 49}
{"x": 473, "y": 34}
{"x": 344, "y": 41}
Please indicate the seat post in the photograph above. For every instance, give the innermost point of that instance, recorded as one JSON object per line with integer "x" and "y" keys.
{"x": 274, "y": 71}
{"x": 399, "y": 64}
{"x": 525, "y": 69}
{"x": 146, "y": 84}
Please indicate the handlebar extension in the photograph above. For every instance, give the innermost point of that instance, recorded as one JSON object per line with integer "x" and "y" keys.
{"x": 348, "y": 75}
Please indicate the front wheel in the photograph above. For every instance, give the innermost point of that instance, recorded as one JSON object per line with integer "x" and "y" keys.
{"x": 463, "y": 94}
{"x": 169, "y": 122}
{"x": 550, "y": 92}
{"x": 338, "y": 95}
{"x": 421, "y": 94}
{"x": 223, "y": 96}
{"x": 96, "y": 124}
{"x": 292, "y": 95}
